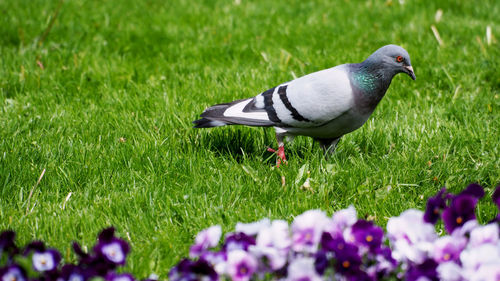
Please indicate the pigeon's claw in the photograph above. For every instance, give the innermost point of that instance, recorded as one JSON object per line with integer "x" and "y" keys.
{"x": 281, "y": 155}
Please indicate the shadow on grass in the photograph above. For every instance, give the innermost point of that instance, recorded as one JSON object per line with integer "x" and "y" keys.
{"x": 234, "y": 143}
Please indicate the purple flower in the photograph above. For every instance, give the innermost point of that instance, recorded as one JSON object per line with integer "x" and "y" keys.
{"x": 322, "y": 261}
{"x": 462, "y": 207}
{"x": 240, "y": 265}
{"x": 303, "y": 269}
{"x": 187, "y": 270}
{"x": 13, "y": 273}
{"x": 384, "y": 265}
{"x": 307, "y": 229}
{"x": 335, "y": 244}
{"x": 448, "y": 248}
{"x": 496, "y": 199}
{"x": 46, "y": 260}
{"x": 237, "y": 241}
{"x": 348, "y": 261}
{"x": 112, "y": 276}
{"x": 424, "y": 271}
{"x": 365, "y": 233}
{"x": 114, "y": 250}
{"x": 7, "y": 242}
{"x": 474, "y": 190}
{"x": 434, "y": 206}
{"x": 214, "y": 258}
{"x": 459, "y": 212}
{"x": 206, "y": 239}
{"x": 72, "y": 272}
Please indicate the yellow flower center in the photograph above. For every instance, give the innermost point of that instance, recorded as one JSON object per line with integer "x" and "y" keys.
{"x": 459, "y": 220}
{"x": 446, "y": 256}
{"x": 308, "y": 236}
{"x": 243, "y": 270}
{"x": 369, "y": 238}
{"x": 43, "y": 261}
{"x": 346, "y": 264}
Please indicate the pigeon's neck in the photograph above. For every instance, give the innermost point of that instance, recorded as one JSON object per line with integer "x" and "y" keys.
{"x": 370, "y": 82}
{"x": 371, "y": 78}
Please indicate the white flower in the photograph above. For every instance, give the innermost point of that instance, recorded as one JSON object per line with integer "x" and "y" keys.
{"x": 253, "y": 228}
{"x": 240, "y": 265}
{"x": 276, "y": 235}
{"x": 113, "y": 251}
{"x": 302, "y": 269}
{"x": 411, "y": 236}
{"x": 449, "y": 271}
{"x": 43, "y": 261}
{"x": 490, "y": 272}
{"x": 275, "y": 258}
{"x": 341, "y": 221}
{"x": 207, "y": 238}
{"x": 448, "y": 248}
{"x": 474, "y": 257}
{"x": 307, "y": 229}
{"x": 484, "y": 234}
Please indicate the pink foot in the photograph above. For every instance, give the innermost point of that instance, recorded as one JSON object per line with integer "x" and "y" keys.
{"x": 280, "y": 153}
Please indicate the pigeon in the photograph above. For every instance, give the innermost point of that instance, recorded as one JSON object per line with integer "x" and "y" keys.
{"x": 324, "y": 105}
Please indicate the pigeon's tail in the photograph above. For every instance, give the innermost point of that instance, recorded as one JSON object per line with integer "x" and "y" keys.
{"x": 239, "y": 112}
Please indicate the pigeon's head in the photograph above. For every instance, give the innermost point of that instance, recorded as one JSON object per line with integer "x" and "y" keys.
{"x": 393, "y": 59}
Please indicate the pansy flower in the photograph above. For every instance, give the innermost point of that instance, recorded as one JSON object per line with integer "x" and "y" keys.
{"x": 341, "y": 220}
{"x": 113, "y": 276}
{"x": 7, "y": 242}
{"x": 43, "y": 259}
{"x": 366, "y": 234}
{"x": 411, "y": 237}
{"x": 13, "y": 273}
{"x": 207, "y": 238}
{"x": 187, "y": 270}
{"x": 307, "y": 229}
{"x": 46, "y": 260}
{"x": 114, "y": 250}
{"x": 240, "y": 265}
{"x": 424, "y": 271}
{"x": 303, "y": 269}
{"x": 459, "y": 212}
{"x": 253, "y": 228}
{"x": 448, "y": 248}
{"x": 434, "y": 207}
{"x": 72, "y": 272}
{"x": 237, "y": 241}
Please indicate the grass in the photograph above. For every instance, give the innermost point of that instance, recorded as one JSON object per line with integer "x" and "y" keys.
{"x": 104, "y": 105}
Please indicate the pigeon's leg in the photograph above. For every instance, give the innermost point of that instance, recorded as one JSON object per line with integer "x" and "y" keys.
{"x": 328, "y": 145}
{"x": 281, "y": 150}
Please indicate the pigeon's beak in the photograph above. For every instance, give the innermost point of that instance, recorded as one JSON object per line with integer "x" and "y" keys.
{"x": 409, "y": 71}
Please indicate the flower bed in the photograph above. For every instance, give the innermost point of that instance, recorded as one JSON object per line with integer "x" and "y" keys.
{"x": 314, "y": 247}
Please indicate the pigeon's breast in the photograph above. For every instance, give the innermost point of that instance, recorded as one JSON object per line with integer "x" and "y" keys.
{"x": 343, "y": 124}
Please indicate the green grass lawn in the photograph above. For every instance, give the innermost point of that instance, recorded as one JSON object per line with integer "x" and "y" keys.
{"x": 104, "y": 105}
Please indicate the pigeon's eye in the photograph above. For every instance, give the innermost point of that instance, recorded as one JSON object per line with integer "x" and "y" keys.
{"x": 399, "y": 58}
